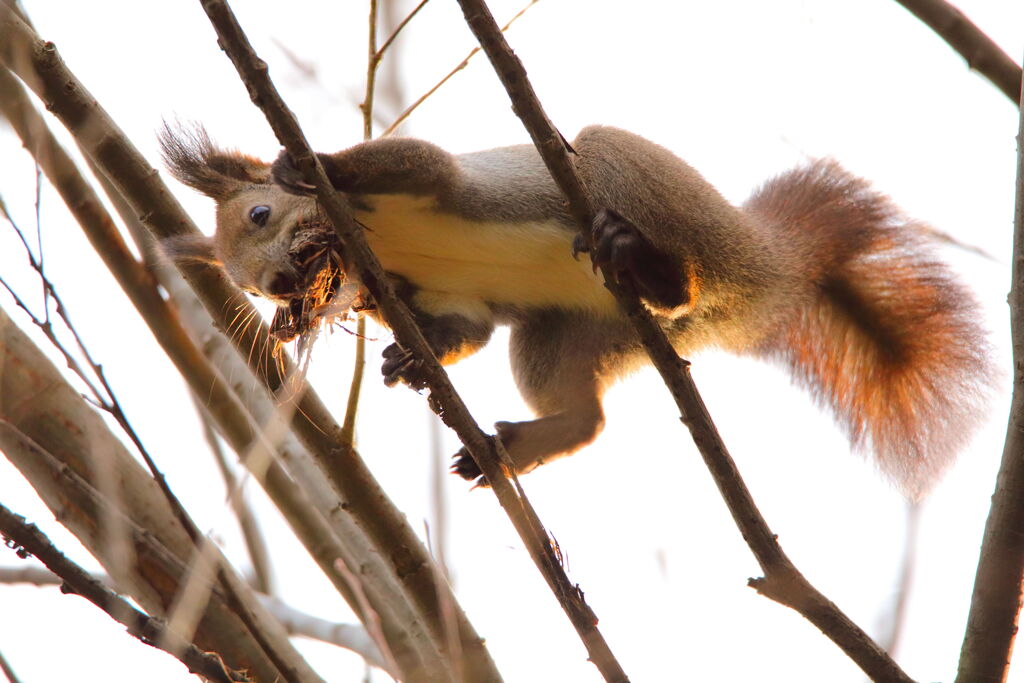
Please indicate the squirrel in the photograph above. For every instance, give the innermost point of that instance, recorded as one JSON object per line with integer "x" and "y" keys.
{"x": 816, "y": 271}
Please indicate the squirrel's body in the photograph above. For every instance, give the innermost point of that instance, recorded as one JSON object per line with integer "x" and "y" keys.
{"x": 816, "y": 271}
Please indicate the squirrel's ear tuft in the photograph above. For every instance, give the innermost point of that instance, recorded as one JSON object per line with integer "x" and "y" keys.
{"x": 191, "y": 248}
{"x": 193, "y": 159}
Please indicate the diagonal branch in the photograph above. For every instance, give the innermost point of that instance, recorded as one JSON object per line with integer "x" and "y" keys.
{"x": 28, "y": 539}
{"x": 7, "y": 671}
{"x": 782, "y": 581}
{"x": 443, "y": 398}
{"x": 996, "y": 601}
{"x": 981, "y": 52}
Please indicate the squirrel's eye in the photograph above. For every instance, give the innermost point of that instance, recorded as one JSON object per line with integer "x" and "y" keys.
{"x": 259, "y": 215}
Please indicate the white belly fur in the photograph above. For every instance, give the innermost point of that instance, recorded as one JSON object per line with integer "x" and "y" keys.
{"x": 526, "y": 264}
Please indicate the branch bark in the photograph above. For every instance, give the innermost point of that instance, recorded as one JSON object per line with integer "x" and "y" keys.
{"x": 996, "y": 600}
{"x": 27, "y": 538}
{"x": 443, "y": 398}
{"x": 782, "y": 581}
{"x": 981, "y": 52}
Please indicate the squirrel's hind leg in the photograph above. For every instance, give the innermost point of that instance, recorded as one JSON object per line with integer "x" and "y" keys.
{"x": 562, "y": 362}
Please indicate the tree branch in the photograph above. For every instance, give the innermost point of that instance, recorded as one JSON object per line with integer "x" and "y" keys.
{"x": 348, "y": 636}
{"x": 28, "y": 539}
{"x": 7, "y": 671}
{"x": 782, "y": 581}
{"x": 255, "y": 542}
{"x": 443, "y": 398}
{"x": 996, "y": 601}
{"x": 981, "y": 52}
{"x": 407, "y": 112}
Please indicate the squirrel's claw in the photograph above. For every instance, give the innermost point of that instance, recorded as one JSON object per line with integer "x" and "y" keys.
{"x": 580, "y": 245}
{"x": 401, "y": 365}
{"x": 466, "y": 467}
{"x": 284, "y": 173}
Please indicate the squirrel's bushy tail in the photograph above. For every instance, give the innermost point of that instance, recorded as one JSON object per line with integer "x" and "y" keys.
{"x": 887, "y": 336}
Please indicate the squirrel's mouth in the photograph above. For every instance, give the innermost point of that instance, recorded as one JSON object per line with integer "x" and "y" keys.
{"x": 315, "y": 259}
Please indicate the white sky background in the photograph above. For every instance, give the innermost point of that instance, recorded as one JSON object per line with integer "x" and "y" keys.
{"x": 740, "y": 89}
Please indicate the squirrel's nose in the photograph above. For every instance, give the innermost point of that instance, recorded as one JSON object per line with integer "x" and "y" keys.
{"x": 283, "y": 285}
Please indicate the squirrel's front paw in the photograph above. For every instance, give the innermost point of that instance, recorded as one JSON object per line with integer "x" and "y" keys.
{"x": 402, "y": 366}
{"x": 466, "y": 467}
{"x": 285, "y": 174}
{"x": 629, "y": 257}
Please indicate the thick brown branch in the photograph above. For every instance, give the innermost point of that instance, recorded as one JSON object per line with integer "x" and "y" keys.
{"x": 782, "y": 581}
{"x": 980, "y": 51}
{"x": 443, "y": 398}
{"x": 27, "y": 538}
{"x": 996, "y": 601}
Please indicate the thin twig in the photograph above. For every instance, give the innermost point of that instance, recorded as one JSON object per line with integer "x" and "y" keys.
{"x": 398, "y": 29}
{"x": 348, "y": 425}
{"x": 897, "y": 617}
{"x": 443, "y": 398}
{"x": 371, "y": 73}
{"x": 255, "y": 543}
{"x": 28, "y": 539}
{"x": 996, "y": 601}
{"x": 372, "y": 621}
{"x": 981, "y": 52}
{"x": 296, "y": 622}
{"x": 782, "y": 581}
{"x": 459, "y": 67}
{"x": 7, "y": 670}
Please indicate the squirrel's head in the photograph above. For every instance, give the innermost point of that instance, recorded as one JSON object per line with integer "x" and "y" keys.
{"x": 256, "y": 220}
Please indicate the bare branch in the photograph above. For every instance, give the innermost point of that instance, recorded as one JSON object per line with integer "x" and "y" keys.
{"x": 28, "y": 539}
{"x": 348, "y": 636}
{"x": 255, "y": 543}
{"x": 7, "y": 671}
{"x": 379, "y": 54}
{"x": 897, "y": 617}
{"x": 458, "y": 67}
{"x": 981, "y": 52}
{"x": 996, "y": 601}
{"x": 782, "y": 581}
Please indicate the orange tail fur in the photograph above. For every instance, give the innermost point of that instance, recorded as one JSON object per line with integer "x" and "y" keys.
{"x": 887, "y": 338}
